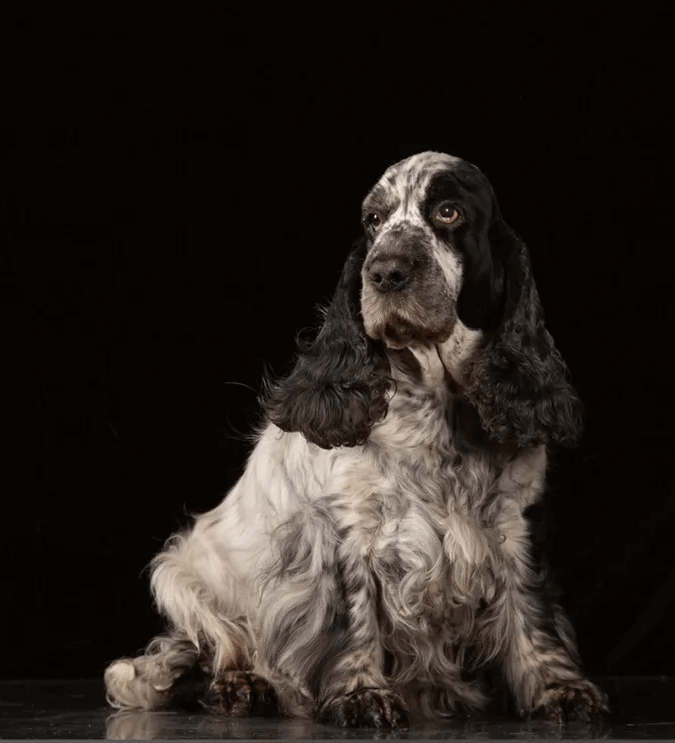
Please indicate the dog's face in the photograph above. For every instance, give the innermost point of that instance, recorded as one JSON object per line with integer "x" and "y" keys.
{"x": 427, "y": 223}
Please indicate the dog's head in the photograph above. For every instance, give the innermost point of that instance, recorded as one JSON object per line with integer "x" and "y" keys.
{"x": 436, "y": 265}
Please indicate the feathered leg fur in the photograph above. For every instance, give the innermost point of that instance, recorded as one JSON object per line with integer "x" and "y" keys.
{"x": 205, "y": 633}
{"x": 541, "y": 661}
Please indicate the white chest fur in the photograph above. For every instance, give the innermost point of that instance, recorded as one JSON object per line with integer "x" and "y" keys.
{"x": 434, "y": 523}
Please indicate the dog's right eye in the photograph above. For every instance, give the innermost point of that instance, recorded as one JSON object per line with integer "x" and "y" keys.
{"x": 374, "y": 221}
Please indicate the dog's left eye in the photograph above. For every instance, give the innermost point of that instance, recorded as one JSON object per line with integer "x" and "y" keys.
{"x": 446, "y": 213}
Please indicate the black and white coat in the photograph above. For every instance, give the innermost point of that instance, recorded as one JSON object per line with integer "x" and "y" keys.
{"x": 375, "y": 553}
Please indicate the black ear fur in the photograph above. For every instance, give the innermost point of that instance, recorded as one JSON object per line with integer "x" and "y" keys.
{"x": 518, "y": 384}
{"x": 338, "y": 387}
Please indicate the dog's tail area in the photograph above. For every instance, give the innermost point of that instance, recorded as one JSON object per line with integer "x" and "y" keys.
{"x": 145, "y": 682}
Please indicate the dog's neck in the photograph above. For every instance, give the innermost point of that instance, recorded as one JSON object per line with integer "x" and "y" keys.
{"x": 458, "y": 350}
{"x": 439, "y": 365}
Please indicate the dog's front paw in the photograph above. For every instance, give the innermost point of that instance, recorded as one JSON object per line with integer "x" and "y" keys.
{"x": 580, "y": 700}
{"x": 372, "y": 708}
{"x": 239, "y": 694}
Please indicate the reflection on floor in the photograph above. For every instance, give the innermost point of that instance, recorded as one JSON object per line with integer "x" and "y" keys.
{"x": 643, "y": 709}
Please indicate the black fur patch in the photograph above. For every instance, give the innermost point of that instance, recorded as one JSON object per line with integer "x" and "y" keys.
{"x": 479, "y": 298}
{"x": 337, "y": 389}
{"x": 519, "y": 383}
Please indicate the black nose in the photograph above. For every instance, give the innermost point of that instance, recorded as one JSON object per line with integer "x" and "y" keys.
{"x": 389, "y": 274}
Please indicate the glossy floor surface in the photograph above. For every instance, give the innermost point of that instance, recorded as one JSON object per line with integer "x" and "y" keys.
{"x": 642, "y": 709}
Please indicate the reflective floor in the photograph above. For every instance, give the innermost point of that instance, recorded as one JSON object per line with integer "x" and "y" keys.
{"x": 643, "y": 709}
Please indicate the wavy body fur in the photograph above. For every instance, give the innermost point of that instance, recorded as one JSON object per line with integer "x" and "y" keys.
{"x": 375, "y": 554}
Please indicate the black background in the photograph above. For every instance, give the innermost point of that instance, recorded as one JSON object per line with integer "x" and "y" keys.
{"x": 182, "y": 191}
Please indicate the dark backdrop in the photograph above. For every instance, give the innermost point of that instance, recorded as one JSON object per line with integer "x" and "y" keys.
{"x": 181, "y": 192}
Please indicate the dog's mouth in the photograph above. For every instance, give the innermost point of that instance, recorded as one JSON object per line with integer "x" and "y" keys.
{"x": 398, "y": 333}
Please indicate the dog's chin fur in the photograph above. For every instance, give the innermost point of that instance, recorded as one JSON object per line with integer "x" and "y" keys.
{"x": 398, "y": 333}
{"x": 402, "y": 318}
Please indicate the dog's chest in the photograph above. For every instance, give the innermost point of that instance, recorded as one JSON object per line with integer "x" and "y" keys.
{"x": 425, "y": 533}
{"x": 438, "y": 519}
{"x": 430, "y": 555}
{"x": 423, "y": 450}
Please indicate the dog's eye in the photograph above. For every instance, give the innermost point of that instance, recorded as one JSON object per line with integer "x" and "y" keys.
{"x": 446, "y": 213}
{"x": 373, "y": 220}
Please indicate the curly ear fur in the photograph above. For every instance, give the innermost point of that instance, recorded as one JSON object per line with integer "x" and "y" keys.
{"x": 338, "y": 387}
{"x": 518, "y": 384}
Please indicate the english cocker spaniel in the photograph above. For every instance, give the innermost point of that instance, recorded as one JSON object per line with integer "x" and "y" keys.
{"x": 375, "y": 555}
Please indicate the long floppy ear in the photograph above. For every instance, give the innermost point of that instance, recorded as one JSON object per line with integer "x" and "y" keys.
{"x": 338, "y": 387}
{"x": 518, "y": 383}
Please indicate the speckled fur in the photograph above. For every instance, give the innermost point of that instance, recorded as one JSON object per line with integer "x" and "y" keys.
{"x": 375, "y": 553}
